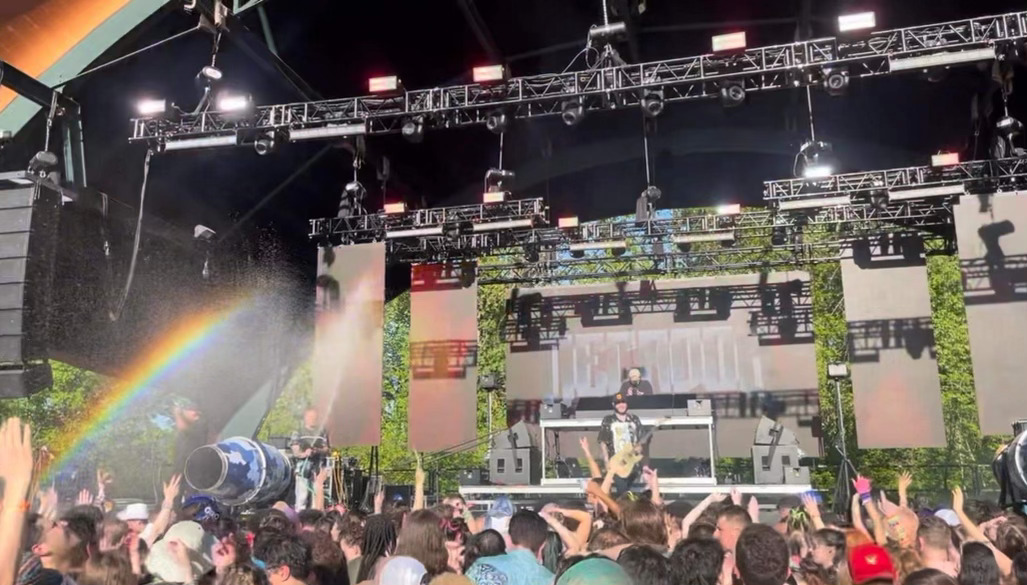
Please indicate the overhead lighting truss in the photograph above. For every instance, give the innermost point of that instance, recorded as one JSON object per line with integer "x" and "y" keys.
{"x": 763, "y": 68}
{"x": 929, "y": 181}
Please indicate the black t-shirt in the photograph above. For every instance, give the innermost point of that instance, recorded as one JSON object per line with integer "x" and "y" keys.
{"x": 188, "y": 440}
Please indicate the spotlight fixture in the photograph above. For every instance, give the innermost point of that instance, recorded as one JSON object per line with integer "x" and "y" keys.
{"x": 607, "y": 33}
{"x": 729, "y": 42}
{"x": 945, "y": 159}
{"x": 1009, "y": 127}
{"x": 265, "y": 143}
{"x": 531, "y": 253}
{"x": 413, "y": 129}
{"x": 496, "y": 121}
{"x": 387, "y": 84}
{"x": 234, "y": 103}
{"x": 352, "y": 199}
{"x": 941, "y": 59}
{"x": 567, "y": 222}
{"x": 652, "y": 102}
{"x": 644, "y": 203}
{"x": 815, "y": 160}
{"x": 498, "y": 179}
{"x": 210, "y": 75}
{"x": 203, "y": 233}
{"x": 488, "y": 74}
{"x": 836, "y": 81}
{"x": 42, "y": 162}
{"x": 857, "y": 21}
{"x": 572, "y": 112}
{"x": 779, "y": 235}
{"x": 732, "y": 94}
{"x": 395, "y": 208}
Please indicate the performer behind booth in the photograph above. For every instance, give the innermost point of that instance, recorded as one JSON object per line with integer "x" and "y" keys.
{"x": 635, "y": 385}
{"x": 621, "y": 431}
{"x": 191, "y": 434}
{"x": 310, "y": 448}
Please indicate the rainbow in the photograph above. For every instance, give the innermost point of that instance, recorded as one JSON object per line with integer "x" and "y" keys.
{"x": 185, "y": 339}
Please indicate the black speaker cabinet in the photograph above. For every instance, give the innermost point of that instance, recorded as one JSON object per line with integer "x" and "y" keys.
{"x": 780, "y": 469}
{"x": 29, "y": 213}
{"x": 515, "y": 467}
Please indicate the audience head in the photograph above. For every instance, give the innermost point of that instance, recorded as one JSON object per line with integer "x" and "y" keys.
{"x": 731, "y": 521}
{"x": 605, "y": 538}
{"x": 761, "y": 556}
{"x": 243, "y": 574}
{"x": 593, "y": 570}
{"x": 1011, "y": 536}
{"x": 642, "y": 522}
{"x": 327, "y": 560}
{"x": 645, "y": 565}
{"x": 828, "y": 549}
{"x": 933, "y": 534}
{"x": 351, "y": 533}
{"x": 928, "y": 577}
{"x": 699, "y": 561}
{"x": 528, "y": 530}
{"x": 977, "y": 565}
{"x": 379, "y": 541}
{"x": 109, "y": 568}
{"x": 402, "y": 570}
{"x": 422, "y": 538}
{"x": 1020, "y": 568}
{"x": 286, "y": 559}
{"x": 487, "y": 543}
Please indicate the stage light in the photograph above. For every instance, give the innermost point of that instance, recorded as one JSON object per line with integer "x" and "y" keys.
{"x": 413, "y": 129}
{"x": 941, "y": 59}
{"x": 496, "y": 121}
{"x": 879, "y": 200}
{"x": 234, "y": 103}
{"x": 567, "y": 222}
{"x": 779, "y": 235}
{"x": 488, "y": 73}
{"x": 814, "y": 203}
{"x": 730, "y": 209}
{"x": 1009, "y": 126}
{"x": 732, "y": 94}
{"x": 612, "y": 245}
{"x": 722, "y": 236}
{"x": 578, "y": 254}
{"x": 203, "y": 233}
{"x": 945, "y": 159}
{"x": 414, "y": 233}
{"x": 497, "y": 179}
{"x": 386, "y": 84}
{"x": 265, "y": 144}
{"x": 815, "y": 160}
{"x": 151, "y": 107}
{"x": 652, "y": 102}
{"x": 857, "y": 21}
{"x": 210, "y": 74}
{"x": 729, "y": 42}
{"x": 836, "y": 81}
{"x": 510, "y": 224}
{"x": 493, "y": 197}
{"x": 394, "y": 208}
{"x": 926, "y": 192}
{"x": 607, "y": 33}
{"x": 330, "y": 131}
{"x": 572, "y": 112}
{"x": 196, "y": 143}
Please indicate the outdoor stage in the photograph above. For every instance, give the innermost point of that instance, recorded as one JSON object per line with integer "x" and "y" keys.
{"x": 479, "y": 497}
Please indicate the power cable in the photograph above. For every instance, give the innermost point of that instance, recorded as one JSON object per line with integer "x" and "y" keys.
{"x": 116, "y": 313}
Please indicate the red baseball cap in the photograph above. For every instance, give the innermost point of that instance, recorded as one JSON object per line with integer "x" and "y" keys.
{"x": 870, "y": 562}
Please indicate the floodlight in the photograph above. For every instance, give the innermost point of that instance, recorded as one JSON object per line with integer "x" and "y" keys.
{"x": 613, "y": 245}
{"x": 494, "y": 196}
{"x": 836, "y": 80}
{"x": 815, "y": 160}
{"x": 814, "y": 203}
{"x": 945, "y": 159}
{"x": 151, "y": 107}
{"x": 330, "y": 131}
{"x": 607, "y": 33}
{"x": 567, "y": 222}
{"x": 837, "y": 371}
{"x": 572, "y": 112}
{"x": 926, "y": 192}
{"x": 489, "y": 73}
{"x": 386, "y": 84}
{"x": 1009, "y": 126}
{"x": 394, "y": 208}
{"x": 204, "y": 142}
{"x": 210, "y": 74}
{"x": 729, "y": 209}
{"x": 941, "y": 59}
{"x": 729, "y": 42}
{"x": 234, "y": 103}
{"x": 265, "y": 144}
{"x": 857, "y": 21}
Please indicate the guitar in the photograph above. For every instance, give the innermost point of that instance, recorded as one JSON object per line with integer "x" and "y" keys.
{"x": 625, "y": 460}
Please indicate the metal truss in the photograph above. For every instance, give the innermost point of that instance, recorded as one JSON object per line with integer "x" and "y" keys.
{"x": 765, "y": 68}
{"x": 974, "y": 176}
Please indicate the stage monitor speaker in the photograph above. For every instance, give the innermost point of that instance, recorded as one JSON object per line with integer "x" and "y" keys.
{"x": 515, "y": 467}
{"x": 400, "y": 493}
{"x": 28, "y": 242}
{"x": 550, "y": 411}
{"x": 700, "y": 407}
{"x": 475, "y": 476}
{"x": 516, "y": 437}
{"x": 770, "y": 432}
{"x": 778, "y": 465}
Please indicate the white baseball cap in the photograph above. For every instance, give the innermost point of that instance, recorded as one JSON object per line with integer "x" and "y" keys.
{"x": 137, "y": 511}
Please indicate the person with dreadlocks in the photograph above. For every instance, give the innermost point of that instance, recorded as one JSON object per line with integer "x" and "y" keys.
{"x": 379, "y": 544}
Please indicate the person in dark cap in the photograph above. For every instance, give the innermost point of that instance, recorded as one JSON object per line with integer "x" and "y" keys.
{"x": 619, "y": 431}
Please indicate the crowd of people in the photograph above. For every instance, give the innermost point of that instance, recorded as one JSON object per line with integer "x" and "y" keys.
{"x": 631, "y": 538}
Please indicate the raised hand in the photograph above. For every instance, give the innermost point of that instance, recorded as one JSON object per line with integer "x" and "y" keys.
{"x": 172, "y": 489}
{"x": 379, "y": 498}
{"x": 322, "y": 476}
{"x": 85, "y": 498}
{"x": 48, "y": 503}
{"x": 957, "y": 500}
{"x": 736, "y": 497}
{"x": 583, "y": 441}
{"x": 810, "y": 504}
{"x": 16, "y": 455}
{"x": 905, "y": 480}
{"x": 862, "y": 485}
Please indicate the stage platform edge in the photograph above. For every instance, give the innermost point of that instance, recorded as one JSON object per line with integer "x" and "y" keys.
{"x": 483, "y": 495}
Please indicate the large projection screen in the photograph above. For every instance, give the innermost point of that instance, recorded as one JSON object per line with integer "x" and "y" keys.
{"x": 347, "y": 362}
{"x": 895, "y": 384}
{"x": 741, "y": 342}
{"x": 991, "y": 231}
{"x": 443, "y": 358}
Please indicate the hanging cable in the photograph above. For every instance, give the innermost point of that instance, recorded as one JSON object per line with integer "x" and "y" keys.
{"x": 809, "y": 108}
{"x": 116, "y": 314}
{"x": 645, "y": 147}
{"x": 502, "y": 136}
